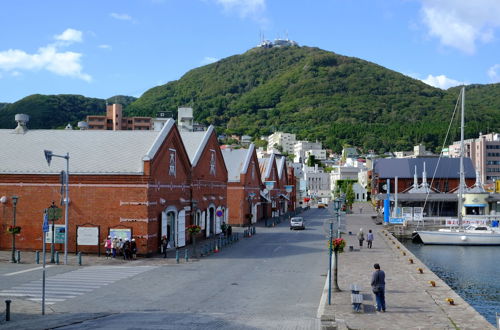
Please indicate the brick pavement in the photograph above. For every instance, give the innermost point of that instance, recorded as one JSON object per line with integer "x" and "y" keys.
{"x": 411, "y": 301}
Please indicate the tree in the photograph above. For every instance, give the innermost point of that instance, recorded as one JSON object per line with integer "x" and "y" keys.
{"x": 349, "y": 195}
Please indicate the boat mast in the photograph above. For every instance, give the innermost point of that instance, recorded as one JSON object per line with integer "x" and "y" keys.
{"x": 462, "y": 174}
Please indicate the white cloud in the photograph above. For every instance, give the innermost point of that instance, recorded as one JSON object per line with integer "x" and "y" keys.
{"x": 70, "y": 36}
{"x": 105, "y": 47}
{"x": 123, "y": 17}
{"x": 208, "y": 60}
{"x": 246, "y": 8}
{"x": 461, "y": 23}
{"x": 50, "y": 58}
{"x": 494, "y": 73}
{"x": 441, "y": 81}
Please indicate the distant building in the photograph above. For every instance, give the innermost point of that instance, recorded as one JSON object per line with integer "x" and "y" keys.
{"x": 285, "y": 140}
{"x": 278, "y": 42}
{"x": 349, "y": 152}
{"x": 114, "y": 120}
{"x": 418, "y": 151}
{"x": 246, "y": 140}
{"x": 301, "y": 147}
{"x": 484, "y": 153}
{"x": 185, "y": 121}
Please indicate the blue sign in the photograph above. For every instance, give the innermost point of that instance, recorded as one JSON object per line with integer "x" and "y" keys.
{"x": 396, "y": 220}
{"x": 45, "y": 225}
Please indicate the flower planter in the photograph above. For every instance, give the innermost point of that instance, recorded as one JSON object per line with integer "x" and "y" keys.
{"x": 14, "y": 230}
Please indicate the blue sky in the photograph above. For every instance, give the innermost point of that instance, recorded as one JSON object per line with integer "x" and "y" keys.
{"x": 104, "y": 48}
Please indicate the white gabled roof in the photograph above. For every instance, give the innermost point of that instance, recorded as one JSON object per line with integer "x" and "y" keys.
{"x": 280, "y": 164}
{"x": 195, "y": 142}
{"x": 90, "y": 151}
{"x": 237, "y": 162}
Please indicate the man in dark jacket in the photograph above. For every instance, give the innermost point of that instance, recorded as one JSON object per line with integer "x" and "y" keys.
{"x": 378, "y": 287}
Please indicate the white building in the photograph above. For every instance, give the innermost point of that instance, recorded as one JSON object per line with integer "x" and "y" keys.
{"x": 317, "y": 182}
{"x": 318, "y": 154}
{"x": 418, "y": 151}
{"x": 343, "y": 173}
{"x": 301, "y": 147}
{"x": 360, "y": 193}
{"x": 185, "y": 119}
{"x": 285, "y": 140}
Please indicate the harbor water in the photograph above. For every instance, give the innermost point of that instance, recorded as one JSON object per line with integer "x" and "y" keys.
{"x": 472, "y": 272}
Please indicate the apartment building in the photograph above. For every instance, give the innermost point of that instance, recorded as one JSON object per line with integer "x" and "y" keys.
{"x": 484, "y": 153}
{"x": 301, "y": 147}
{"x": 285, "y": 140}
{"x": 114, "y": 120}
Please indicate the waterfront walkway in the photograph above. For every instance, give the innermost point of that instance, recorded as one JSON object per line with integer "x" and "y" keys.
{"x": 412, "y": 303}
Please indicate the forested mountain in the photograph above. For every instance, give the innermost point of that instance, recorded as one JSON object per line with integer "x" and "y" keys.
{"x": 56, "y": 111}
{"x": 318, "y": 95}
{"x": 321, "y": 95}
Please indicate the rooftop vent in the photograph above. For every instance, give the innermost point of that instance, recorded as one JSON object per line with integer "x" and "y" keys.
{"x": 22, "y": 120}
{"x": 83, "y": 125}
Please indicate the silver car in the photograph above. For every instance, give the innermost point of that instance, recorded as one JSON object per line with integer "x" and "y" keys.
{"x": 297, "y": 223}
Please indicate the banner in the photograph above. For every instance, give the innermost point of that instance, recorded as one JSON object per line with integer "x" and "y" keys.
{"x": 59, "y": 234}
{"x": 87, "y": 236}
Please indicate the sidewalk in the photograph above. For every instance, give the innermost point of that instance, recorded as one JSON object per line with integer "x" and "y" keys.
{"x": 411, "y": 301}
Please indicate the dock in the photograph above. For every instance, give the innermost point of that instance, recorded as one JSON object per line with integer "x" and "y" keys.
{"x": 411, "y": 301}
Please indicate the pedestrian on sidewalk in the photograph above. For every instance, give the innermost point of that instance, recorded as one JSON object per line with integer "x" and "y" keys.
{"x": 378, "y": 287}
{"x": 361, "y": 237}
{"x": 369, "y": 239}
{"x": 114, "y": 246}
{"x": 107, "y": 246}
{"x": 164, "y": 245}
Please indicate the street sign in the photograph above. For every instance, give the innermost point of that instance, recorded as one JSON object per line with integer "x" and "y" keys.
{"x": 54, "y": 213}
{"x": 59, "y": 232}
{"x": 45, "y": 224}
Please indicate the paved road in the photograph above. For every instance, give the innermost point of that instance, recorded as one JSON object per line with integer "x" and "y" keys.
{"x": 273, "y": 280}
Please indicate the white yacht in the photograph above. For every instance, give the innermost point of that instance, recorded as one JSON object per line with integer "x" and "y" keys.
{"x": 472, "y": 234}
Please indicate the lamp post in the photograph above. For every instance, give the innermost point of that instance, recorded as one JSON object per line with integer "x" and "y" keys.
{"x": 48, "y": 157}
{"x": 336, "y": 264}
{"x": 14, "y": 205}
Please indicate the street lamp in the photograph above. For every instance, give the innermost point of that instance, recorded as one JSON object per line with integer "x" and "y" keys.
{"x": 14, "y": 204}
{"x": 48, "y": 157}
{"x": 336, "y": 288}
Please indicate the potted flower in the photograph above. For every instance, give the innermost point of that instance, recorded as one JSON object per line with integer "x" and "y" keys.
{"x": 337, "y": 245}
{"x": 14, "y": 229}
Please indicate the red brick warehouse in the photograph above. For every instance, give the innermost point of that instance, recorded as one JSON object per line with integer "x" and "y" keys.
{"x": 122, "y": 182}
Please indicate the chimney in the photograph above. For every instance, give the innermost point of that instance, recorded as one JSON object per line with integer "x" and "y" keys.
{"x": 21, "y": 119}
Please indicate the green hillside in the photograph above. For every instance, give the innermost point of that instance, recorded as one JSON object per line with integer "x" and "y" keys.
{"x": 320, "y": 95}
{"x": 56, "y": 111}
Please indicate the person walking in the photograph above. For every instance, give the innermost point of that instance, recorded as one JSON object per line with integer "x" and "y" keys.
{"x": 164, "y": 245}
{"x": 126, "y": 249}
{"x": 378, "y": 287}
{"x": 114, "y": 246}
{"x": 107, "y": 246}
{"x": 361, "y": 237}
{"x": 369, "y": 239}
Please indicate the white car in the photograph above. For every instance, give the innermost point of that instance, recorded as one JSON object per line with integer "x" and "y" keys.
{"x": 297, "y": 223}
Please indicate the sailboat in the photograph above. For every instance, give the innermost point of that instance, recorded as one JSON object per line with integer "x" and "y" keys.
{"x": 472, "y": 234}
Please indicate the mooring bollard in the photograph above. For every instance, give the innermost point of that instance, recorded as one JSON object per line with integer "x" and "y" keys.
{"x": 79, "y": 258}
{"x": 37, "y": 257}
{"x": 18, "y": 256}
{"x": 57, "y": 257}
{"x": 7, "y": 310}
{"x": 177, "y": 256}
{"x": 186, "y": 255}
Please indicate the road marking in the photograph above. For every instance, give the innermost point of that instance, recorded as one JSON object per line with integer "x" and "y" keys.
{"x": 71, "y": 284}
{"x": 26, "y": 270}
